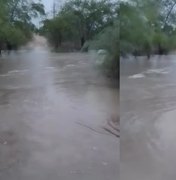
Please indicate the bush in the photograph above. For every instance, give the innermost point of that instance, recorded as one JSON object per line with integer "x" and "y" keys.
{"x": 109, "y": 41}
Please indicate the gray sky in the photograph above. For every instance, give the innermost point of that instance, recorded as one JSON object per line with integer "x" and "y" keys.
{"x": 48, "y": 8}
{"x": 48, "y": 4}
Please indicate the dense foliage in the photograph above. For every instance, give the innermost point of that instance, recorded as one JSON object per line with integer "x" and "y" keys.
{"x": 16, "y": 21}
{"x": 147, "y": 27}
{"x": 85, "y": 24}
{"x": 108, "y": 40}
{"x": 79, "y": 21}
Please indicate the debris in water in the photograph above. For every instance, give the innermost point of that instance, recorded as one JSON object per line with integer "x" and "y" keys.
{"x": 113, "y": 126}
{"x": 136, "y": 76}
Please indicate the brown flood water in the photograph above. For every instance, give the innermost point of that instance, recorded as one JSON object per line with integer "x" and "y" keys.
{"x": 148, "y": 118}
{"x": 53, "y": 107}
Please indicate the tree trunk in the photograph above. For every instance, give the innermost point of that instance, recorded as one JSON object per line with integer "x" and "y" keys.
{"x": 60, "y": 40}
{"x": 56, "y": 45}
{"x": 82, "y": 41}
{"x": 0, "y": 49}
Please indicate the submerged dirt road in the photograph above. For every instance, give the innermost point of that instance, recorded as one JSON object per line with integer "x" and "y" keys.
{"x": 52, "y": 110}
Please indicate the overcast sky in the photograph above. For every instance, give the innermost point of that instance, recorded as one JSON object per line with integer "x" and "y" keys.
{"x": 48, "y": 4}
{"x": 48, "y": 7}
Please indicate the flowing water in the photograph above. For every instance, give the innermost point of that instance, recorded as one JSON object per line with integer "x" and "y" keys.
{"x": 148, "y": 118}
{"x": 53, "y": 107}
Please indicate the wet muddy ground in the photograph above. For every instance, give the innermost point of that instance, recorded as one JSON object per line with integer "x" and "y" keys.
{"x": 53, "y": 108}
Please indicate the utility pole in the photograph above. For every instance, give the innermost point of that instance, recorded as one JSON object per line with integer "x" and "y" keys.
{"x": 54, "y": 8}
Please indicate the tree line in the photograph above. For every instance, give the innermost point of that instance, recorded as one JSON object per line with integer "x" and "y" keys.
{"x": 16, "y": 22}
{"x": 86, "y": 24}
{"x": 137, "y": 27}
{"x": 147, "y": 27}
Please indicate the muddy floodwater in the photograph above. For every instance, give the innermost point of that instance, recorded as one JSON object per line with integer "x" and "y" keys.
{"x": 148, "y": 118}
{"x": 53, "y": 107}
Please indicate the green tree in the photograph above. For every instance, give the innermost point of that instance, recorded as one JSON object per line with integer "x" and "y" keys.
{"x": 134, "y": 30}
{"x": 108, "y": 40}
{"x": 85, "y": 19}
{"x": 57, "y": 30}
{"x": 147, "y": 26}
{"x": 16, "y": 20}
